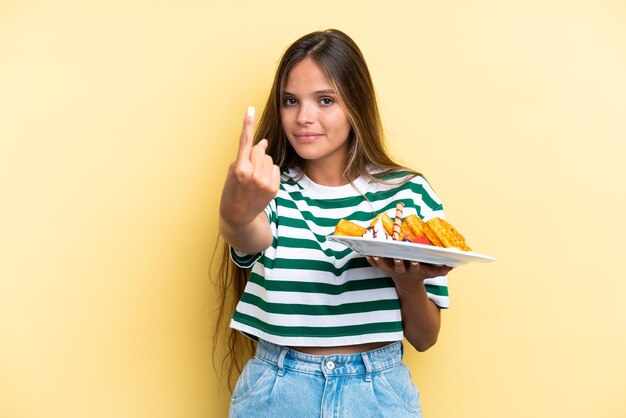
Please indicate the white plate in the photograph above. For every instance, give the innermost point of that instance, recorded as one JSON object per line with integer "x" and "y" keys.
{"x": 409, "y": 251}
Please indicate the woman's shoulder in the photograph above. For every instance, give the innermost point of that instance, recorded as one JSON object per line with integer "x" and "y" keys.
{"x": 400, "y": 180}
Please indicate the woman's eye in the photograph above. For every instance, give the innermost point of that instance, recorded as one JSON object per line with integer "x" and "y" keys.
{"x": 289, "y": 101}
{"x": 327, "y": 101}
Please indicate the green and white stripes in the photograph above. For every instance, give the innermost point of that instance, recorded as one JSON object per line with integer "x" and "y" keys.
{"x": 305, "y": 290}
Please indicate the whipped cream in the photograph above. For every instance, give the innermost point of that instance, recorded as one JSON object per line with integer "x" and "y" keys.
{"x": 377, "y": 232}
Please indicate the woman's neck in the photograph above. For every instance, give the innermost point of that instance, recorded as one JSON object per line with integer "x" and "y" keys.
{"x": 325, "y": 176}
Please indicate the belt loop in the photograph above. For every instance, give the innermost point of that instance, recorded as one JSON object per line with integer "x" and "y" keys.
{"x": 368, "y": 367}
{"x": 281, "y": 361}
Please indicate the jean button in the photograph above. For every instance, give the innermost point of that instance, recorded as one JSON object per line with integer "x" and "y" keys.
{"x": 330, "y": 365}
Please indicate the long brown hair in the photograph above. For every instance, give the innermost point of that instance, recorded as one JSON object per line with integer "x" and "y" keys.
{"x": 343, "y": 64}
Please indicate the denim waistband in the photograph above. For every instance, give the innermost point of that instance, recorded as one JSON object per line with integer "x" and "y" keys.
{"x": 364, "y": 363}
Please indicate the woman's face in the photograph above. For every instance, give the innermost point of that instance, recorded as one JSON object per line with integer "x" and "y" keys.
{"x": 316, "y": 125}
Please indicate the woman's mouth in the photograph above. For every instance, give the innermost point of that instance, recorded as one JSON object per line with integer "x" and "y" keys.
{"x": 308, "y": 136}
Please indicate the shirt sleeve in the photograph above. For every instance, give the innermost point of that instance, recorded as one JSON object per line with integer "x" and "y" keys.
{"x": 437, "y": 290}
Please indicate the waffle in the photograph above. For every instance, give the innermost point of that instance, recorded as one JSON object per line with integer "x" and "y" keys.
{"x": 347, "y": 228}
{"x": 419, "y": 228}
{"x": 387, "y": 222}
{"x": 448, "y": 235}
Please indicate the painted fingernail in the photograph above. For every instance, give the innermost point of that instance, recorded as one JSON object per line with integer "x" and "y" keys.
{"x": 397, "y": 261}
{"x": 414, "y": 263}
{"x": 250, "y": 112}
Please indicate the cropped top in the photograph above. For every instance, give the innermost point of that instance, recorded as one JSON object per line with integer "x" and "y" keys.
{"x": 304, "y": 290}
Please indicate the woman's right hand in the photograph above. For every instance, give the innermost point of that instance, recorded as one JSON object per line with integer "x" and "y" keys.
{"x": 252, "y": 180}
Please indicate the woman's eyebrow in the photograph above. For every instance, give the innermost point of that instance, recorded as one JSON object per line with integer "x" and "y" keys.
{"x": 325, "y": 91}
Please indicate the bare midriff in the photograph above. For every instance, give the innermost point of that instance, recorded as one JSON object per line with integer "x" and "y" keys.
{"x": 345, "y": 349}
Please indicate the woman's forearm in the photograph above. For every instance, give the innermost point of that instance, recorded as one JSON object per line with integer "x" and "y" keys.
{"x": 421, "y": 318}
{"x": 249, "y": 238}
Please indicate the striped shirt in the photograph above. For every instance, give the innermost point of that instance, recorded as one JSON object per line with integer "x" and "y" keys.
{"x": 304, "y": 290}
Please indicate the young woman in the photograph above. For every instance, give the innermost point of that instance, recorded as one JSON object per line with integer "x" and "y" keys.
{"x": 327, "y": 322}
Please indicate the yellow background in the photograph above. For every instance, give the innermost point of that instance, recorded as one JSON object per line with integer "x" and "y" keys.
{"x": 118, "y": 120}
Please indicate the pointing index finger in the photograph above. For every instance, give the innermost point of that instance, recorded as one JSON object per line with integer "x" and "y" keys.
{"x": 245, "y": 140}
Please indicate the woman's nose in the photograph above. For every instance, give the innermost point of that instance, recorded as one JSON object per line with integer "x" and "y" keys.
{"x": 306, "y": 114}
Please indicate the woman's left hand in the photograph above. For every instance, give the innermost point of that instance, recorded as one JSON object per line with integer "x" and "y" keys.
{"x": 413, "y": 270}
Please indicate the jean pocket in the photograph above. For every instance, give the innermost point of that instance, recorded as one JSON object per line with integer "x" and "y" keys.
{"x": 253, "y": 375}
{"x": 396, "y": 382}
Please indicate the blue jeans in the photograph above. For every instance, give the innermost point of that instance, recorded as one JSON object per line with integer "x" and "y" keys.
{"x": 281, "y": 382}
